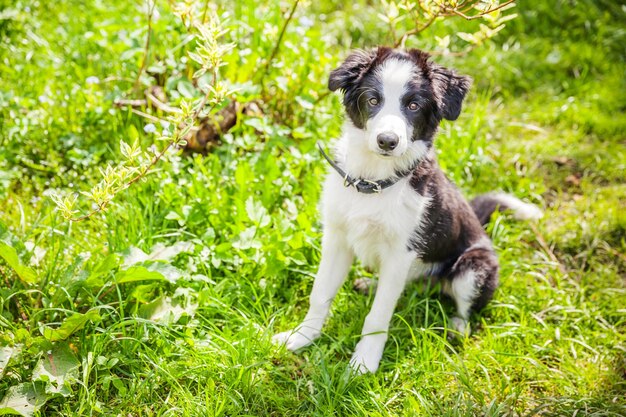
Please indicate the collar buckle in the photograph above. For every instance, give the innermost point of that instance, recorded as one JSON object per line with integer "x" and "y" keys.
{"x": 377, "y": 188}
{"x": 347, "y": 181}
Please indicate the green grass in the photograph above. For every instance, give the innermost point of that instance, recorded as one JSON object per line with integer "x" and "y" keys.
{"x": 190, "y": 335}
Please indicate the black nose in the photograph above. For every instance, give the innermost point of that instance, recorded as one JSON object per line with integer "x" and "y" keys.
{"x": 387, "y": 141}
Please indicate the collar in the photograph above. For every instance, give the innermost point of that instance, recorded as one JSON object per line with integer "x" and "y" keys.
{"x": 361, "y": 184}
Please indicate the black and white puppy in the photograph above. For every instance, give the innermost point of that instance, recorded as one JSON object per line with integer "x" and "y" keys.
{"x": 387, "y": 202}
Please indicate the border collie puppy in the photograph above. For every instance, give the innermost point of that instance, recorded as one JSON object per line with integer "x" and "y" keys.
{"x": 387, "y": 201}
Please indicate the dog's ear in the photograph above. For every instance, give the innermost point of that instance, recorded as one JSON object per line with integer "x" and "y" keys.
{"x": 352, "y": 69}
{"x": 450, "y": 89}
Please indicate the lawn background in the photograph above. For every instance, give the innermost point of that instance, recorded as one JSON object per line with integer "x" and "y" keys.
{"x": 165, "y": 304}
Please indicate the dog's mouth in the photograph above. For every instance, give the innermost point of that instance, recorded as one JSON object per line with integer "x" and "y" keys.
{"x": 388, "y": 154}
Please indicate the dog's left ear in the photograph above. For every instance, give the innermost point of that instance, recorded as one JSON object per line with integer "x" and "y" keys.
{"x": 450, "y": 90}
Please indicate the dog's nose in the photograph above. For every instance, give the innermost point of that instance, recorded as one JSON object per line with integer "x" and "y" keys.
{"x": 387, "y": 141}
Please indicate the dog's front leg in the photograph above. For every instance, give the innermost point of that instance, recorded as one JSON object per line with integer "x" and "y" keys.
{"x": 393, "y": 276}
{"x": 334, "y": 267}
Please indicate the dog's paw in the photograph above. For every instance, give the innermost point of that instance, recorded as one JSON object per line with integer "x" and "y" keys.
{"x": 367, "y": 355}
{"x": 294, "y": 339}
{"x": 459, "y": 327}
{"x": 364, "y": 285}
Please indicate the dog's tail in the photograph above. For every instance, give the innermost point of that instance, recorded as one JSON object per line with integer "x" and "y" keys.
{"x": 484, "y": 205}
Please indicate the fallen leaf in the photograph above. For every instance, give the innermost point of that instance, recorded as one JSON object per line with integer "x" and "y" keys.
{"x": 6, "y": 353}
{"x": 572, "y": 179}
{"x": 57, "y": 369}
{"x": 167, "y": 310}
{"x": 24, "y": 399}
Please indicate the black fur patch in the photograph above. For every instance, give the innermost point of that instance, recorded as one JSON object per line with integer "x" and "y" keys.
{"x": 425, "y": 120}
{"x": 450, "y": 89}
{"x": 451, "y": 235}
{"x": 438, "y": 90}
{"x": 449, "y": 226}
{"x": 352, "y": 78}
{"x": 481, "y": 262}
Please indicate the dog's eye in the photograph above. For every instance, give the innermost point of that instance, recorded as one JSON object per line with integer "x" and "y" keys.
{"x": 413, "y": 106}
{"x": 373, "y": 101}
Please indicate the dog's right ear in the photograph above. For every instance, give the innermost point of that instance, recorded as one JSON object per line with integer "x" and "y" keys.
{"x": 352, "y": 69}
{"x": 450, "y": 90}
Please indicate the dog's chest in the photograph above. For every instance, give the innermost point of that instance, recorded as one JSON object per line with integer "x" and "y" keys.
{"x": 374, "y": 224}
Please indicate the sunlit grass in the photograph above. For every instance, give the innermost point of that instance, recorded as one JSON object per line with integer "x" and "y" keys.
{"x": 549, "y": 130}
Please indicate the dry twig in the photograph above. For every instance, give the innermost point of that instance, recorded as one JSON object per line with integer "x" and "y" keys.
{"x": 144, "y": 61}
{"x": 278, "y": 42}
{"x": 544, "y": 245}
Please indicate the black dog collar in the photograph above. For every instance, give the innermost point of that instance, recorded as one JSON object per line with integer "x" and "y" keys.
{"x": 362, "y": 185}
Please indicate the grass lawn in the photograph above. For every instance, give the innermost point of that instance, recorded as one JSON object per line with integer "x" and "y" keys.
{"x": 164, "y": 304}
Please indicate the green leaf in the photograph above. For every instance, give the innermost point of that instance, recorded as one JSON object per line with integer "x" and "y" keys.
{"x": 24, "y": 399}
{"x": 305, "y": 104}
{"x": 9, "y": 254}
{"x": 148, "y": 271}
{"x": 132, "y": 133}
{"x": 119, "y": 385}
{"x": 247, "y": 239}
{"x": 256, "y": 123}
{"x": 70, "y": 325}
{"x": 467, "y": 37}
{"x": 167, "y": 310}
{"x": 58, "y": 369}
{"x": 157, "y": 68}
{"x": 137, "y": 273}
{"x": 186, "y": 89}
{"x": 6, "y": 353}
{"x": 131, "y": 53}
{"x": 159, "y": 252}
{"x": 100, "y": 271}
{"x": 257, "y": 212}
{"x": 134, "y": 256}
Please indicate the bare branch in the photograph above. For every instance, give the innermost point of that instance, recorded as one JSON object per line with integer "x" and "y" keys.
{"x": 444, "y": 9}
{"x": 120, "y": 102}
{"x": 160, "y": 105}
{"x": 278, "y": 42}
{"x": 455, "y": 11}
{"x": 146, "y": 49}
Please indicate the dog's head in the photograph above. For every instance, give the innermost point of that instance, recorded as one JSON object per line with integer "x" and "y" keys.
{"x": 397, "y": 98}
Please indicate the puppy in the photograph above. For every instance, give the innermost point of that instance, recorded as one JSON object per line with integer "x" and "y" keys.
{"x": 387, "y": 201}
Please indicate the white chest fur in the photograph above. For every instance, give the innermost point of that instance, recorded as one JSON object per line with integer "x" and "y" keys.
{"x": 373, "y": 224}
